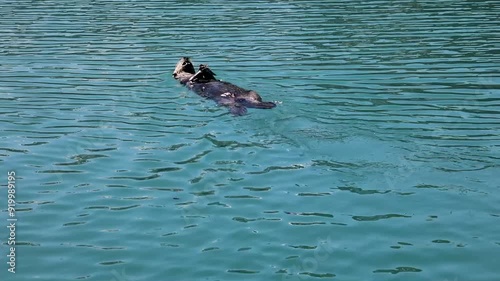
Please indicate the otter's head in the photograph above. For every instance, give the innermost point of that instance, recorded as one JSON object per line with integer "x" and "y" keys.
{"x": 184, "y": 66}
{"x": 204, "y": 74}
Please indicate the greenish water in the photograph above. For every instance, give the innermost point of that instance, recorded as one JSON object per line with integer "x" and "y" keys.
{"x": 380, "y": 162}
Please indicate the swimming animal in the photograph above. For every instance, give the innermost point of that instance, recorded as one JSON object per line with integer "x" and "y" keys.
{"x": 204, "y": 83}
{"x": 183, "y": 70}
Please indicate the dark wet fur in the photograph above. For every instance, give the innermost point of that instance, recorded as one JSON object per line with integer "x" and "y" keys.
{"x": 206, "y": 85}
{"x": 204, "y": 75}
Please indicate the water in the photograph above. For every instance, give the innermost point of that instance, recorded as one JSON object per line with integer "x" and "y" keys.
{"x": 380, "y": 162}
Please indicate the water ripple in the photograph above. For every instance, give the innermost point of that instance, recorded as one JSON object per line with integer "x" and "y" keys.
{"x": 387, "y": 121}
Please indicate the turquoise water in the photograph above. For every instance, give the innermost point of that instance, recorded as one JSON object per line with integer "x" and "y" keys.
{"x": 380, "y": 162}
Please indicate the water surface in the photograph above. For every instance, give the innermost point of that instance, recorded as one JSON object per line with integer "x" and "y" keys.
{"x": 380, "y": 162}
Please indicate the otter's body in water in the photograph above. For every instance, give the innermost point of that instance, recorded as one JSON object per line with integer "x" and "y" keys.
{"x": 206, "y": 85}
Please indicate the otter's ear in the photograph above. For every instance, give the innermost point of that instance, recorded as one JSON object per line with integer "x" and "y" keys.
{"x": 186, "y": 61}
{"x": 189, "y": 68}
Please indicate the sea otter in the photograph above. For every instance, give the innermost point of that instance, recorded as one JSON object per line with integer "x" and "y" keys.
{"x": 206, "y": 85}
{"x": 183, "y": 70}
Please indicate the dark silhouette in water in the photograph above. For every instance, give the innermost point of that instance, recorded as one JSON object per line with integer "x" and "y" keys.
{"x": 203, "y": 75}
{"x": 206, "y": 85}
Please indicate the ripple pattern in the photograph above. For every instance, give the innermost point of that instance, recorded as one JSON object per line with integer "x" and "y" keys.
{"x": 381, "y": 160}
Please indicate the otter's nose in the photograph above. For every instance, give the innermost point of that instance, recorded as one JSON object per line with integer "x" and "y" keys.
{"x": 174, "y": 75}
